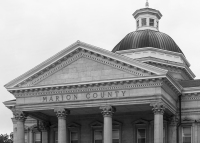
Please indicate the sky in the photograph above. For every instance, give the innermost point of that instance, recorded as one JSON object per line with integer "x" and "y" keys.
{"x": 33, "y": 30}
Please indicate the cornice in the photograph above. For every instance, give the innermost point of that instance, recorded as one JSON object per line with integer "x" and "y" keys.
{"x": 170, "y": 66}
{"x": 157, "y": 50}
{"x": 129, "y": 83}
{"x": 74, "y": 51}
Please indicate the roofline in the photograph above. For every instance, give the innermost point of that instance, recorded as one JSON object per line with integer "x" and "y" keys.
{"x": 86, "y": 46}
{"x": 147, "y": 10}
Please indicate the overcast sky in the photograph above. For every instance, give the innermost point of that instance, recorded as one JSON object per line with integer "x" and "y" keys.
{"x": 33, "y": 30}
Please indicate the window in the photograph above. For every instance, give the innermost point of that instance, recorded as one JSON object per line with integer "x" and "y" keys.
{"x": 73, "y": 137}
{"x": 186, "y": 134}
{"x": 157, "y": 24}
{"x": 115, "y": 136}
{"x": 151, "y": 22}
{"x": 74, "y": 132}
{"x": 144, "y": 22}
{"x": 37, "y": 137}
{"x": 138, "y": 23}
{"x": 141, "y": 136}
{"x": 56, "y": 137}
{"x": 97, "y": 129}
{"x": 98, "y": 136}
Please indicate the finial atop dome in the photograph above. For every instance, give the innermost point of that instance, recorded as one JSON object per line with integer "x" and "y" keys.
{"x": 147, "y": 4}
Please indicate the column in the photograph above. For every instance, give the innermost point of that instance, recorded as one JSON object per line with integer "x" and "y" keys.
{"x": 30, "y": 136}
{"x": 158, "y": 109}
{"x": 20, "y": 118}
{"x": 14, "y": 130}
{"x": 107, "y": 112}
{"x": 62, "y": 128}
{"x": 51, "y": 138}
{"x": 172, "y": 133}
{"x": 44, "y": 127}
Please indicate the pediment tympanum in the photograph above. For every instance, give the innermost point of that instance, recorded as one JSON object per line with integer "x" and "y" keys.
{"x": 81, "y": 62}
{"x": 83, "y": 70}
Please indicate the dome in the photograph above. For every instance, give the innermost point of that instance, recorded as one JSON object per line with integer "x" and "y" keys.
{"x": 147, "y": 38}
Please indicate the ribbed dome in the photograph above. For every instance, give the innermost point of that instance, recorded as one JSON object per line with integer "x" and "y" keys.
{"x": 147, "y": 38}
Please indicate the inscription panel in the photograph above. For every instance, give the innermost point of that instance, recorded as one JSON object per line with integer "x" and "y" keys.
{"x": 86, "y": 96}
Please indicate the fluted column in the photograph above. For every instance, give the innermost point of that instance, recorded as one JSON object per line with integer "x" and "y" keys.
{"x": 158, "y": 109}
{"x": 20, "y": 117}
{"x": 107, "y": 112}
{"x": 62, "y": 129}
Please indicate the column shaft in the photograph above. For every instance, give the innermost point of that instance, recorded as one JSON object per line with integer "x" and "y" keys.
{"x": 158, "y": 128}
{"x": 30, "y": 136}
{"x": 62, "y": 136}
{"x": 44, "y": 137}
{"x": 20, "y": 131}
{"x": 15, "y": 134}
{"x": 107, "y": 129}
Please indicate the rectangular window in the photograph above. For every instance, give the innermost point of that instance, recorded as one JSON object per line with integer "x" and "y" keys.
{"x": 151, "y": 22}
{"x": 144, "y": 22}
{"x": 138, "y": 23}
{"x": 141, "y": 136}
{"x": 98, "y": 136}
{"x": 186, "y": 134}
{"x": 56, "y": 137}
{"x": 157, "y": 24}
{"x": 37, "y": 137}
{"x": 74, "y": 137}
{"x": 115, "y": 136}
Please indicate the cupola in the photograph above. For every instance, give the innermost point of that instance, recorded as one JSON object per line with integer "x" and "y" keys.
{"x": 147, "y": 18}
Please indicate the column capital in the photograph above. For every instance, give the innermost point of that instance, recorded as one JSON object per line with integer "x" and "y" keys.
{"x": 107, "y": 110}
{"x": 43, "y": 126}
{"x": 19, "y": 115}
{"x": 61, "y": 113}
{"x": 173, "y": 120}
{"x": 158, "y": 107}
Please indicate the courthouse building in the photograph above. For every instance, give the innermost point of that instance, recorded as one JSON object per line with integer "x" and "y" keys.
{"x": 143, "y": 91}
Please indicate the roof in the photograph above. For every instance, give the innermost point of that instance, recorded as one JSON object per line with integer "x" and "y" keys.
{"x": 190, "y": 83}
{"x": 147, "y": 38}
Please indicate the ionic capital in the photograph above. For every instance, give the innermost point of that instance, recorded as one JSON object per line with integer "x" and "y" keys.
{"x": 19, "y": 115}
{"x": 61, "y": 113}
{"x": 158, "y": 107}
{"x": 107, "y": 110}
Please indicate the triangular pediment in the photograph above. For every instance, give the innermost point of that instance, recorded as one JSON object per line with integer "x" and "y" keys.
{"x": 83, "y": 70}
{"x": 81, "y": 62}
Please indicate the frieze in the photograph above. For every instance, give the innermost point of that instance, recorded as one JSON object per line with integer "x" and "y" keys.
{"x": 74, "y": 56}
